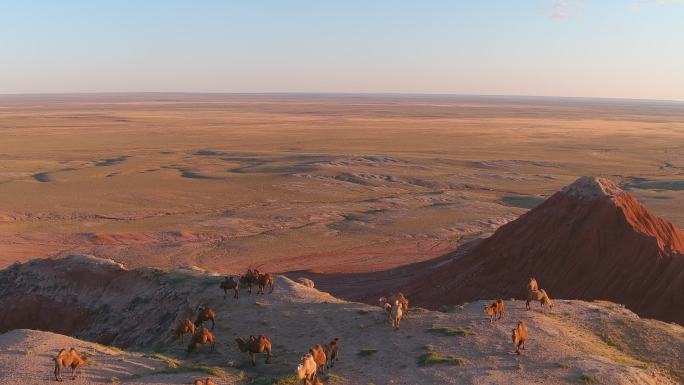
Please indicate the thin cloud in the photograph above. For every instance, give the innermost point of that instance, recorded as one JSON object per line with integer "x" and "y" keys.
{"x": 561, "y": 9}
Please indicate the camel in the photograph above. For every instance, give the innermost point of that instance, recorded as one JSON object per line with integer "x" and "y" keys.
{"x": 255, "y": 345}
{"x": 386, "y": 303}
{"x": 205, "y": 314}
{"x": 332, "y": 351}
{"x": 519, "y": 336}
{"x": 306, "y": 371}
{"x": 249, "y": 279}
{"x": 201, "y": 337}
{"x": 228, "y": 284}
{"x": 538, "y": 295}
{"x": 68, "y": 358}
{"x": 208, "y": 381}
{"x": 387, "y": 307}
{"x": 262, "y": 280}
{"x": 183, "y": 328}
{"x": 495, "y": 310}
{"x": 404, "y": 303}
{"x": 319, "y": 356}
{"x": 397, "y": 314}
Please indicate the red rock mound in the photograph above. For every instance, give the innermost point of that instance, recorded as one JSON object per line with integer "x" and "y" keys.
{"x": 589, "y": 241}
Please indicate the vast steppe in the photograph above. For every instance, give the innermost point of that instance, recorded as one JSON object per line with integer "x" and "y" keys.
{"x": 327, "y": 183}
{"x": 120, "y": 213}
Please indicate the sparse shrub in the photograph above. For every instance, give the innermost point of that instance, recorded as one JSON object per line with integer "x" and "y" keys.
{"x": 565, "y": 365}
{"x": 450, "y": 309}
{"x": 588, "y": 378}
{"x": 367, "y": 352}
{"x": 434, "y": 358}
{"x": 362, "y": 311}
{"x": 451, "y": 331}
{"x": 115, "y": 380}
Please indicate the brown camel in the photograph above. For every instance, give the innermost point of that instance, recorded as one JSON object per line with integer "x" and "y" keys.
{"x": 201, "y": 337}
{"x": 264, "y": 279}
{"x": 249, "y": 279}
{"x": 205, "y": 314}
{"x": 306, "y": 370}
{"x": 68, "y": 358}
{"x": 519, "y": 336}
{"x": 255, "y": 345}
{"x": 332, "y": 351}
{"x": 541, "y": 296}
{"x": 319, "y": 356}
{"x": 495, "y": 311}
{"x": 183, "y": 328}
{"x": 230, "y": 284}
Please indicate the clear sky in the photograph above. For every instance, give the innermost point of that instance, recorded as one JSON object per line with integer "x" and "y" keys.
{"x": 594, "y": 48}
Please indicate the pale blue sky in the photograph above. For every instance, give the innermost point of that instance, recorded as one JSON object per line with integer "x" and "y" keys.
{"x": 606, "y": 48}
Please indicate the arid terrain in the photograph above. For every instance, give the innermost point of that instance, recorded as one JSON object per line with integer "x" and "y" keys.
{"x": 575, "y": 342}
{"x": 331, "y": 184}
{"x": 119, "y": 215}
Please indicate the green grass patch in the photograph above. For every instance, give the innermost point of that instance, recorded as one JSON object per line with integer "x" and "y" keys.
{"x": 288, "y": 379}
{"x": 564, "y": 364}
{"x": 362, "y": 311}
{"x": 434, "y": 358}
{"x": 450, "y": 309}
{"x": 587, "y": 378}
{"x": 451, "y": 331}
{"x": 367, "y": 352}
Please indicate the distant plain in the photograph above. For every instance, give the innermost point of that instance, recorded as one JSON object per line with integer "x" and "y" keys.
{"x": 328, "y": 183}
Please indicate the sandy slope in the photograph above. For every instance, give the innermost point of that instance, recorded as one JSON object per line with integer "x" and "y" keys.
{"x": 597, "y": 340}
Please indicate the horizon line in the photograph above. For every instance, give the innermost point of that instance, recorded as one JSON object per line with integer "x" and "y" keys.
{"x": 332, "y": 93}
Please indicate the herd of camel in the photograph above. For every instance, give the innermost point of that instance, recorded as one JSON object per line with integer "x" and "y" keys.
{"x": 319, "y": 356}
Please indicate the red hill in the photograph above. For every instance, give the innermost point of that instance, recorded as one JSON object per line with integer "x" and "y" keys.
{"x": 589, "y": 241}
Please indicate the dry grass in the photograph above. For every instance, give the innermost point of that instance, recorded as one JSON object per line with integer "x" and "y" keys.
{"x": 367, "y": 352}
{"x": 451, "y": 331}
